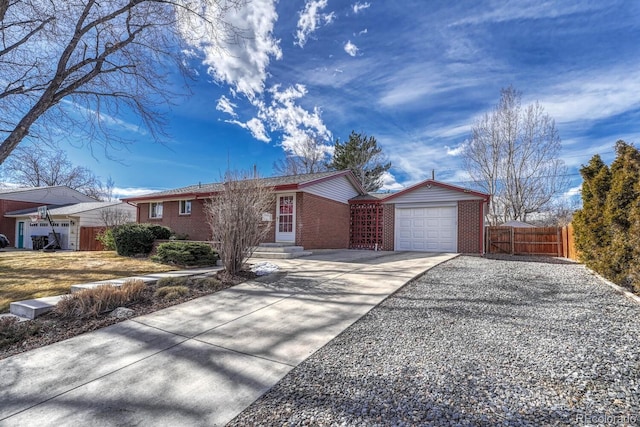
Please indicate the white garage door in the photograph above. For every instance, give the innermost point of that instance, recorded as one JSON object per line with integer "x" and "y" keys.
{"x": 431, "y": 229}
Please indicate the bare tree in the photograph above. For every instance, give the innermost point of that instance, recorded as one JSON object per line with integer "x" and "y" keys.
{"x": 113, "y": 217}
{"x": 80, "y": 65}
{"x": 38, "y": 167}
{"x": 308, "y": 157}
{"x": 235, "y": 218}
{"x": 512, "y": 155}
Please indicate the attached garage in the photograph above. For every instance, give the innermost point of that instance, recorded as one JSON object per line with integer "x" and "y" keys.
{"x": 429, "y": 217}
{"x": 426, "y": 229}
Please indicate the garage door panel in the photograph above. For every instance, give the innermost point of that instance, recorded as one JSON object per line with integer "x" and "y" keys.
{"x": 429, "y": 229}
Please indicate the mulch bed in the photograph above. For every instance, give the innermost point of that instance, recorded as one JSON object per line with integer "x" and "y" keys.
{"x": 51, "y": 327}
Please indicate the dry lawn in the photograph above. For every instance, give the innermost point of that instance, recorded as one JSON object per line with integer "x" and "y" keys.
{"x": 31, "y": 274}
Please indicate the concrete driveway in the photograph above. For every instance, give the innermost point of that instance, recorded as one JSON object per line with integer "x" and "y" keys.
{"x": 204, "y": 361}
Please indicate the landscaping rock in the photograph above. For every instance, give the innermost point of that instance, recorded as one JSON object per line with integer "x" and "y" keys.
{"x": 474, "y": 341}
{"x": 122, "y": 313}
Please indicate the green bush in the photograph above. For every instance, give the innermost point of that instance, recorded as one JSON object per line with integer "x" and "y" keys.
{"x": 106, "y": 238}
{"x": 186, "y": 253}
{"x": 133, "y": 239}
{"x": 160, "y": 232}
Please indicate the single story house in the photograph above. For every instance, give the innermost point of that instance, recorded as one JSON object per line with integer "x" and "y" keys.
{"x": 14, "y": 199}
{"x": 68, "y": 221}
{"x": 330, "y": 210}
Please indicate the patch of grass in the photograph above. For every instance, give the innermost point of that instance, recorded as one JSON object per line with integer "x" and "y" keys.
{"x": 196, "y": 283}
{"x": 171, "y": 292}
{"x": 32, "y": 274}
{"x": 172, "y": 281}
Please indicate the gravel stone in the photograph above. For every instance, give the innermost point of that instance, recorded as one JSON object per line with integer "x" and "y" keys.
{"x": 474, "y": 341}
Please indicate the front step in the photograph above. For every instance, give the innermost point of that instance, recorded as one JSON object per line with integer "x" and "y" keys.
{"x": 271, "y": 247}
{"x": 279, "y": 251}
{"x": 280, "y": 255}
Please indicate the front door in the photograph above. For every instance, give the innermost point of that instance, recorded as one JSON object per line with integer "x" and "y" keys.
{"x": 20, "y": 244}
{"x": 286, "y": 218}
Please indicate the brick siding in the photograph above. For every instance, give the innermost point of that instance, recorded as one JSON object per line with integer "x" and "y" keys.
{"x": 8, "y": 225}
{"x": 388, "y": 227}
{"x": 194, "y": 225}
{"x": 321, "y": 223}
{"x": 469, "y": 226}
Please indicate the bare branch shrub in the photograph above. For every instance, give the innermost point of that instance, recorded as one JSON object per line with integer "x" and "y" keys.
{"x": 235, "y": 218}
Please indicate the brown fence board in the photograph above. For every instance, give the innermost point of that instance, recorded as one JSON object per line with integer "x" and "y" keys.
{"x": 88, "y": 240}
{"x": 550, "y": 241}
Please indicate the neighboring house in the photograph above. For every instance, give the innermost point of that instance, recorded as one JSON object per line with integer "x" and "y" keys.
{"x": 13, "y": 199}
{"x": 67, "y": 220}
{"x": 517, "y": 224}
{"x": 330, "y": 210}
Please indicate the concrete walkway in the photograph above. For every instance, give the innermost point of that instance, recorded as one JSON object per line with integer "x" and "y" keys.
{"x": 204, "y": 361}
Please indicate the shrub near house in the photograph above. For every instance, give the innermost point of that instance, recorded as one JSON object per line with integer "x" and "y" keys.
{"x": 137, "y": 239}
{"x": 186, "y": 254}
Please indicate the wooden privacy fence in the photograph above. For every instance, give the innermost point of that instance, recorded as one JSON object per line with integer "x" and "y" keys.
{"x": 88, "y": 240}
{"x": 550, "y": 241}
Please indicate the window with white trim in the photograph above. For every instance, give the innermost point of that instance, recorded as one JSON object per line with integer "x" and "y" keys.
{"x": 155, "y": 210}
{"x": 185, "y": 207}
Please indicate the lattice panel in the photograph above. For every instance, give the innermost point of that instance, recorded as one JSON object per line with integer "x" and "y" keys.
{"x": 365, "y": 231}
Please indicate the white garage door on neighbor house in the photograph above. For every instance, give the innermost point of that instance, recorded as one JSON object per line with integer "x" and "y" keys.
{"x": 428, "y": 229}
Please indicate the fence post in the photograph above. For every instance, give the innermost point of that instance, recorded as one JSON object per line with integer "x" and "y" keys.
{"x": 513, "y": 244}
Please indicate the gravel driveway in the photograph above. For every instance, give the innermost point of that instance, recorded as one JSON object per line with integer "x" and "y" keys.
{"x": 474, "y": 342}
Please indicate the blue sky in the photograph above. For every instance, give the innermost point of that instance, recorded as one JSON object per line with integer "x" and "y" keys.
{"x": 414, "y": 74}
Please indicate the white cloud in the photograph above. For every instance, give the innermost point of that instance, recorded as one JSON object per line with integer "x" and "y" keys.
{"x": 529, "y": 9}
{"x": 455, "y": 151}
{"x": 124, "y": 192}
{"x": 365, "y": 31}
{"x": 296, "y": 123}
{"x": 255, "y": 126}
{"x": 238, "y": 54}
{"x": 573, "y": 191}
{"x": 360, "y": 6}
{"x": 351, "y": 48}
{"x": 329, "y": 18}
{"x": 226, "y": 106}
{"x": 389, "y": 182}
{"x": 310, "y": 19}
{"x": 593, "y": 96}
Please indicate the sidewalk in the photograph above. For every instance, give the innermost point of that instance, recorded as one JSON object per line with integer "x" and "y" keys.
{"x": 204, "y": 361}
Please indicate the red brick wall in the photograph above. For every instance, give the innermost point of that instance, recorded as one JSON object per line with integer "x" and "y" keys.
{"x": 388, "y": 225}
{"x": 271, "y": 234}
{"x": 194, "y": 224}
{"x": 469, "y": 226}
{"x": 321, "y": 223}
{"x": 8, "y": 225}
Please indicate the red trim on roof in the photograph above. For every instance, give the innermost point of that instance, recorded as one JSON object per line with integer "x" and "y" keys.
{"x": 286, "y": 187}
{"x": 485, "y": 197}
{"x": 283, "y": 187}
{"x": 175, "y": 196}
